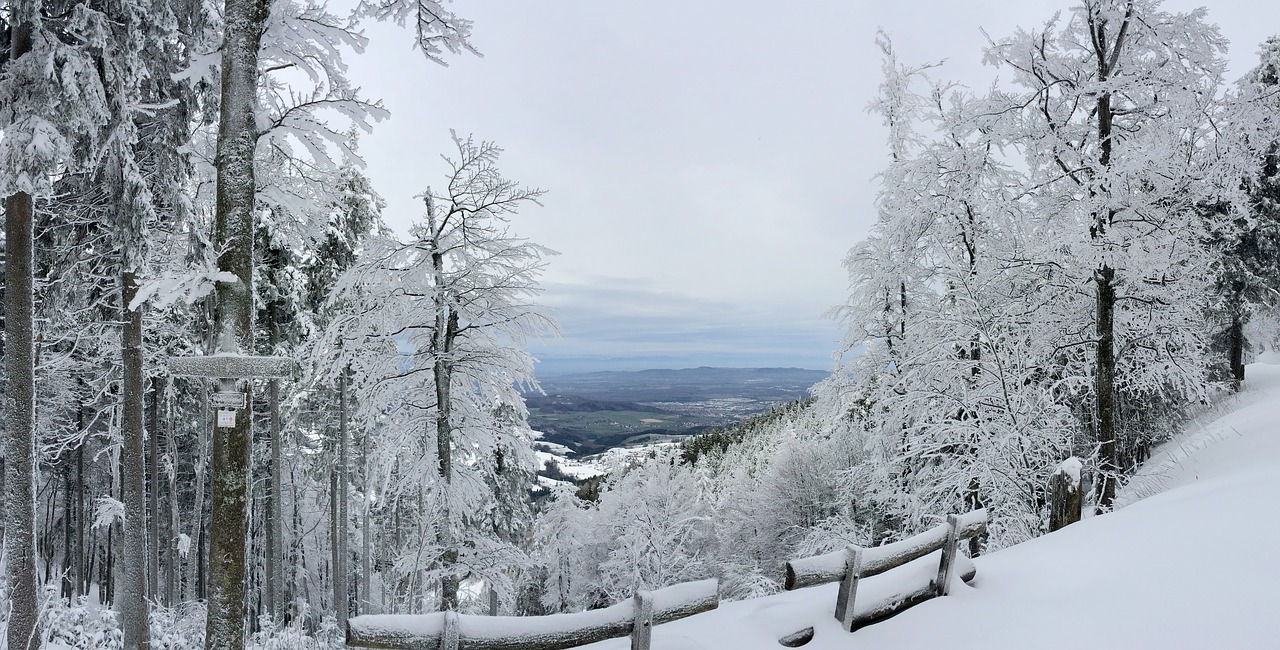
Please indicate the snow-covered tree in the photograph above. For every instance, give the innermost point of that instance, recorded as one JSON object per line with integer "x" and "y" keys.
{"x": 1242, "y": 219}
{"x": 452, "y": 308}
{"x": 1112, "y": 104}
{"x": 51, "y": 110}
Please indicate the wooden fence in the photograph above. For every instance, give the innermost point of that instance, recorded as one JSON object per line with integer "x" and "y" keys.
{"x": 452, "y": 631}
{"x": 636, "y": 618}
{"x": 855, "y": 563}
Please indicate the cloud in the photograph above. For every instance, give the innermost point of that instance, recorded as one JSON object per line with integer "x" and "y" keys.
{"x": 622, "y": 322}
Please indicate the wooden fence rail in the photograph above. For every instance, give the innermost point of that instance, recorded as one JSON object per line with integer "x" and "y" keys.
{"x": 452, "y": 631}
{"x": 636, "y": 618}
{"x": 855, "y": 563}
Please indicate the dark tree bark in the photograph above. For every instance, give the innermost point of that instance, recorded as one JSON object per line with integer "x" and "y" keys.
{"x": 68, "y": 526}
{"x": 83, "y": 564}
{"x": 1104, "y": 386}
{"x": 366, "y": 534}
{"x": 1235, "y": 349}
{"x": 153, "y": 494}
{"x": 338, "y": 511}
{"x": 233, "y": 317}
{"x": 344, "y": 492}
{"x": 20, "y": 443}
{"x": 275, "y": 565}
{"x": 1107, "y": 52}
{"x": 447, "y": 328}
{"x": 172, "y": 561}
{"x": 134, "y": 552}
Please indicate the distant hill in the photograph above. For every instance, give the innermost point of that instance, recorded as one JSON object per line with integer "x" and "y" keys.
{"x": 596, "y": 411}
{"x": 688, "y": 385}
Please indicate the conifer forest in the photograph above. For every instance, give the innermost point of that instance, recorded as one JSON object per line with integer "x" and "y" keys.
{"x": 239, "y": 409}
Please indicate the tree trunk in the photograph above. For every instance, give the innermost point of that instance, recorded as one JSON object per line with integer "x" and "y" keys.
{"x": 335, "y": 541}
{"x": 1235, "y": 339}
{"x": 172, "y": 585}
{"x": 68, "y": 511}
{"x": 442, "y": 339}
{"x": 195, "y": 557}
{"x": 83, "y": 563}
{"x": 20, "y": 442}
{"x": 344, "y": 518}
{"x": 134, "y": 552}
{"x": 233, "y": 318}
{"x": 275, "y": 527}
{"x": 444, "y": 457}
{"x": 297, "y": 561}
{"x": 366, "y": 534}
{"x": 338, "y": 511}
{"x": 1106, "y": 52}
{"x": 153, "y": 494}
{"x": 107, "y": 568}
{"x": 1105, "y": 372}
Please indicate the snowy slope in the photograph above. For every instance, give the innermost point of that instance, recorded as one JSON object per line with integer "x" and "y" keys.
{"x": 1196, "y": 565}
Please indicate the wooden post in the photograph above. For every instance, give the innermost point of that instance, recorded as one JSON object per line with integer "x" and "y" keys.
{"x": 1066, "y": 497}
{"x": 849, "y": 587}
{"x": 449, "y": 640}
{"x": 642, "y": 630}
{"x": 493, "y": 600}
{"x": 946, "y": 568}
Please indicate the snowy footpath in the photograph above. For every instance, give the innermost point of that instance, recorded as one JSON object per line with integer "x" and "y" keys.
{"x": 1192, "y": 561}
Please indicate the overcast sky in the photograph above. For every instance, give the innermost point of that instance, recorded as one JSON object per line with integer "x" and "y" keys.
{"x": 708, "y": 162}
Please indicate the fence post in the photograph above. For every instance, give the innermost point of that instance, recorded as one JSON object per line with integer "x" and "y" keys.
{"x": 449, "y": 640}
{"x": 642, "y": 629}
{"x": 1066, "y": 496}
{"x": 849, "y": 586}
{"x": 947, "y": 567}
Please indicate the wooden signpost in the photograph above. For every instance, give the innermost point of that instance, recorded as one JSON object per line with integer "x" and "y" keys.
{"x": 221, "y": 366}
{"x": 226, "y": 366}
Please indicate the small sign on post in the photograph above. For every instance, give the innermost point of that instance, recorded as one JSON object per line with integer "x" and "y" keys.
{"x": 228, "y": 399}
{"x": 226, "y": 419}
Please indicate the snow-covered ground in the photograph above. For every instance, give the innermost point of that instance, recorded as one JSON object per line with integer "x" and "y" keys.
{"x": 1192, "y": 562}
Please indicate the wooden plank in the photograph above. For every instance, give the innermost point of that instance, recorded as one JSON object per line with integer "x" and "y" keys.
{"x": 554, "y": 632}
{"x": 848, "y": 594}
{"x": 950, "y": 549}
{"x": 232, "y": 367}
{"x": 796, "y": 639}
{"x": 829, "y": 567}
{"x": 879, "y": 610}
{"x": 887, "y": 595}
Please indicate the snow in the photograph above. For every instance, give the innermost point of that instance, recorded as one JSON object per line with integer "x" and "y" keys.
{"x": 570, "y": 467}
{"x": 1072, "y": 468}
{"x": 1118, "y": 580}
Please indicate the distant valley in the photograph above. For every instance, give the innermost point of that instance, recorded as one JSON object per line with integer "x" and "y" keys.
{"x": 589, "y": 413}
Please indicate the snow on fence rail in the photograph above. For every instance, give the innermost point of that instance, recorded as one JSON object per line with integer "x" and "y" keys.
{"x": 452, "y": 631}
{"x": 855, "y": 563}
